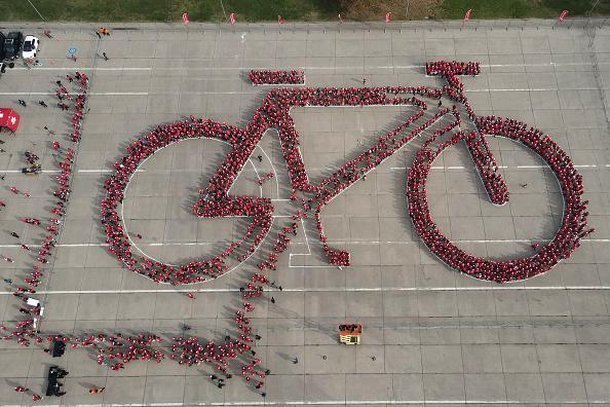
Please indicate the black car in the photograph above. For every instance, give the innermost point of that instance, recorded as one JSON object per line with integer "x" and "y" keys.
{"x": 12, "y": 44}
{"x": 2, "y": 38}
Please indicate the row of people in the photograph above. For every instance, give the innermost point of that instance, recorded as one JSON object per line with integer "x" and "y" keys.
{"x": 24, "y": 331}
{"x": 268, "y": 77}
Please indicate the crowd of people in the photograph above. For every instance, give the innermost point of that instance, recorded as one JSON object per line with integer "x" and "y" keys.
{"x": 268, "y": 77}
{"x": 214, "y": 202}
{"x": 484, "y": 161}
{"x": 281, "y": 244}
{"x": 24, "y": 331}
{"x": 574, "y": 223}
{"x": 275, "y": 112}
{"x": 115, "y": 351}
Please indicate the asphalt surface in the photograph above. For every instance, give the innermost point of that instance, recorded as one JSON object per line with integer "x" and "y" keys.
{"x": 431, "y": 335}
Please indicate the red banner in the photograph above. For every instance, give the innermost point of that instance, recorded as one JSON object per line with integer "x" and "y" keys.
{"x": 388, "y": 17}
{"x": 232, "y": 18}
{"x": 563, "y": 15}
{"x": 185, "y": 18}
{"x": 467, "y": 15}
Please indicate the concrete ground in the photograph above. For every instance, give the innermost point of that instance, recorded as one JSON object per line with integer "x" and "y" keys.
{"x": 431, "y": 335}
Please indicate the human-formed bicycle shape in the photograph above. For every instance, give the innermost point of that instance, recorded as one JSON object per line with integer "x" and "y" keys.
{"x": 274, "y": 113}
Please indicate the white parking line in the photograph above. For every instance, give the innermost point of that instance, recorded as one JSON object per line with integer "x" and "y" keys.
{"x": 252, "y": 92}
{"x": 520, "y": 167}
{"x": 93, "y": 93}
{"x": 56, "y": 171}
{"x": 489, "y": 287}
{"x": 82, "y": 68}
{"x": 325, "y": 403}
{"x": 306, "y": 67}
{"x": 336, "y": 242}
{"x": 328, "y": 403}
{"x": 438, "y": 168}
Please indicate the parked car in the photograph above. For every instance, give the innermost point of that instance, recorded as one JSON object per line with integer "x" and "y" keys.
{"x": 12, "y": 44}
{"x": 30, "y": 47}
{"x": 2, "y": 38}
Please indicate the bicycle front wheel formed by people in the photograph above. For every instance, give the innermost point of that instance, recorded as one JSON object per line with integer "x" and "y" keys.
{"x": 567, "y": 238}
{"x": 214, "y": 202}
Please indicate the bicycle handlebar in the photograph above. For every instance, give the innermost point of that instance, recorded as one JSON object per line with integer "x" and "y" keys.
{"x": 278, "y": 77}
{"x": 452, "y": 68}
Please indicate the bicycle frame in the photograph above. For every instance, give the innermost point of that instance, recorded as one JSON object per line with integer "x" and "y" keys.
{"x": 275, "y": 113}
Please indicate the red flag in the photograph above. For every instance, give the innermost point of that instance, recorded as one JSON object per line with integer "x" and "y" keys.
{"x": 280, "y": 19}
{"x": 185, "y": 18}
{"x": 563, "y": 15}
{"x": 232, "y": 18}
{"x": 340, "y": 19}
{"x": 467, "y": 15}
{"x": 388, "y": 17}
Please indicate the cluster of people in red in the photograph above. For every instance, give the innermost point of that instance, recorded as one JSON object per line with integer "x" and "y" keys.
{"x": 215, "y": 202}
{"x": 22, "y": 389}
{"x": 265, "y": 178}
{"x": 115, "y": 351}
{"x": 118, "y": 350}
{"x": 485, "y": 162}
{"x": 275, "y": 112}
{"x": 24, "y": 331}
{"x": 191, "y": 351}
{"x": 268, "y": 77}
{"x": 574, "y": 226}
{"x": 281, "y": 244}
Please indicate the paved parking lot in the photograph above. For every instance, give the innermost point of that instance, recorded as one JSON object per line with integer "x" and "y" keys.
{"x": 431, "y": 335}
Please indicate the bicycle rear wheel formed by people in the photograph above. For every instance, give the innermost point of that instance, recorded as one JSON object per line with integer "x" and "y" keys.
{"x": 215, "y": 202}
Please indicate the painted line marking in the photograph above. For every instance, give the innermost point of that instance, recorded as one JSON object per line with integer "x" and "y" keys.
{"x": 399, "y": 168}
{"x": 325, "y": 403}
{"x": 309, "y": 68}
{"x": 489, "y": 287}
{"x": 362, "y": 242}
{"x": 82, "y": 68}
{"x": 79, "y": 171}
{"x": 256, "y": 93}
{"x": 106, "y": 171}
{"x": 520, "y": 167}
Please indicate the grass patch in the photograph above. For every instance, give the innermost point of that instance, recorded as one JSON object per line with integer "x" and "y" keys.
{"x": 490, "y": 9}
{"x": 291, "y": 10}
{"x": 167, "y": 10}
